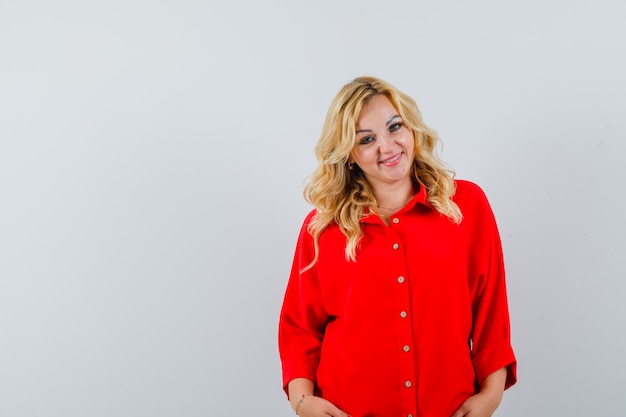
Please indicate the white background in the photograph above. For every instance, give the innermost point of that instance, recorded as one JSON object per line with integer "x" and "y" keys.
{"x": 152, "y": 157}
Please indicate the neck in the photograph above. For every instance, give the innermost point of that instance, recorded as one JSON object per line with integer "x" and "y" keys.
{"x": 394, "y": 197}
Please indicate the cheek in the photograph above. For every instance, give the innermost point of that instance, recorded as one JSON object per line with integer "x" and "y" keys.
{"x": 409, "y": 145}
{"x": 359, "y": 156}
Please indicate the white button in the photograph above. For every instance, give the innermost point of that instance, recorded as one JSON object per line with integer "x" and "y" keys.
{"x": 406, "y": 348}
{"x": 396, "y": 220}
{"x": 410, "y": 415}
{"x": 407, "y": 384}
{"x": 396, "y": 246}
{"x": 403, "y": 314}
{"x": 400, "y": 279}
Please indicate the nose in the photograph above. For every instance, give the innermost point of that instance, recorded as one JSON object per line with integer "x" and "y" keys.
{"x": 385, "y": 144}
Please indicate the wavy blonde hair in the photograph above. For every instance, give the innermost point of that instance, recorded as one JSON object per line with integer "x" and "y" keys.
{"x": 342, "y": 195}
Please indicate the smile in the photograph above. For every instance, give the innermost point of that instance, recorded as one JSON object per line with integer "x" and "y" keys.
{"x": 392, "y": 160}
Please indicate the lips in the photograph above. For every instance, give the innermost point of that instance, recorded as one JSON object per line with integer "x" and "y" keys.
{"x": 391, "y": 161}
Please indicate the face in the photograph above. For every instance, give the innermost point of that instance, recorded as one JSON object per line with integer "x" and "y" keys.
{"x": 384, "y": 147}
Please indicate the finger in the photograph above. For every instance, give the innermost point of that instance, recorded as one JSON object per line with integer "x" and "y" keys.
{"x": 459, "y": 413}
{"x": 336, "y": 412}
{"x": 339, "y": 413}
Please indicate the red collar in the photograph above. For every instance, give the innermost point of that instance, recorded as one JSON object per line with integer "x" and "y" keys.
{"x": 419, "y": 198}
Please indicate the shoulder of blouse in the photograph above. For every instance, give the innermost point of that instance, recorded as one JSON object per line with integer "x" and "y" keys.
{"x": 304, "y": 230}
{"x": 465, "y": 186}
{"x": 468, "y": 192}
{"x": 309, "y": 217}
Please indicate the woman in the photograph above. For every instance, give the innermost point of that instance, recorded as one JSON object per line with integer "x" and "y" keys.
{"x": 396, "y": 304}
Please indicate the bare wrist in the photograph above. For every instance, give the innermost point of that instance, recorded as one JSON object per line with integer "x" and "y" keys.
{"x": 493, "y": 385}
{"x": 297, "y": 404}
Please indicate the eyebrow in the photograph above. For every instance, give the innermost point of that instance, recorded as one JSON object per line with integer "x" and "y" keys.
{"x": 386, "y": 124}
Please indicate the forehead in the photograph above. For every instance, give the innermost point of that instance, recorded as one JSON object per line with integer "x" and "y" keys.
{"x": 377, "y": 110}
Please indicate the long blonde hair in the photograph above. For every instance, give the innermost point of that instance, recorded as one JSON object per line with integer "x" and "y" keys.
{"x": 342, "y": 195}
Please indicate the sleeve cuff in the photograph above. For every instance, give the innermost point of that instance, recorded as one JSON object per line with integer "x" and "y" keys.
{"x": 489, "y": 361}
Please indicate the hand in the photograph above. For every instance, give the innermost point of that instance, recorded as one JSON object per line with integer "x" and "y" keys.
{"x": 313, "y": 406}
{"x": 482, "y": 404}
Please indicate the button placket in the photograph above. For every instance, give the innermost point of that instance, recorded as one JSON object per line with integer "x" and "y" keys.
{"x": 405, "y": 327}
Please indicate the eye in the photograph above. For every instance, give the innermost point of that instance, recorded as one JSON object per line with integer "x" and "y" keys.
{"x": 365, "y": 140}
{"x": 395, "y": 126}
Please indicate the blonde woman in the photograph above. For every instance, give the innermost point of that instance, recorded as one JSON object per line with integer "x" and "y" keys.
{"x": 396, "y": 305}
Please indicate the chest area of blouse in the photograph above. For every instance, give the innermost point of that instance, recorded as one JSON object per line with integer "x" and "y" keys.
{"x": 429, "y": 254}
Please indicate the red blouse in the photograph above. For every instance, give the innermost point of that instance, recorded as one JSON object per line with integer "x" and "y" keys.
{"x": 414, "y": 325}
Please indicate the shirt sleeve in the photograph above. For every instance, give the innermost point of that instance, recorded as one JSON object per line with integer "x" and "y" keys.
{"x": 491, "y": 335}
{"x": 303, "y": 317}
